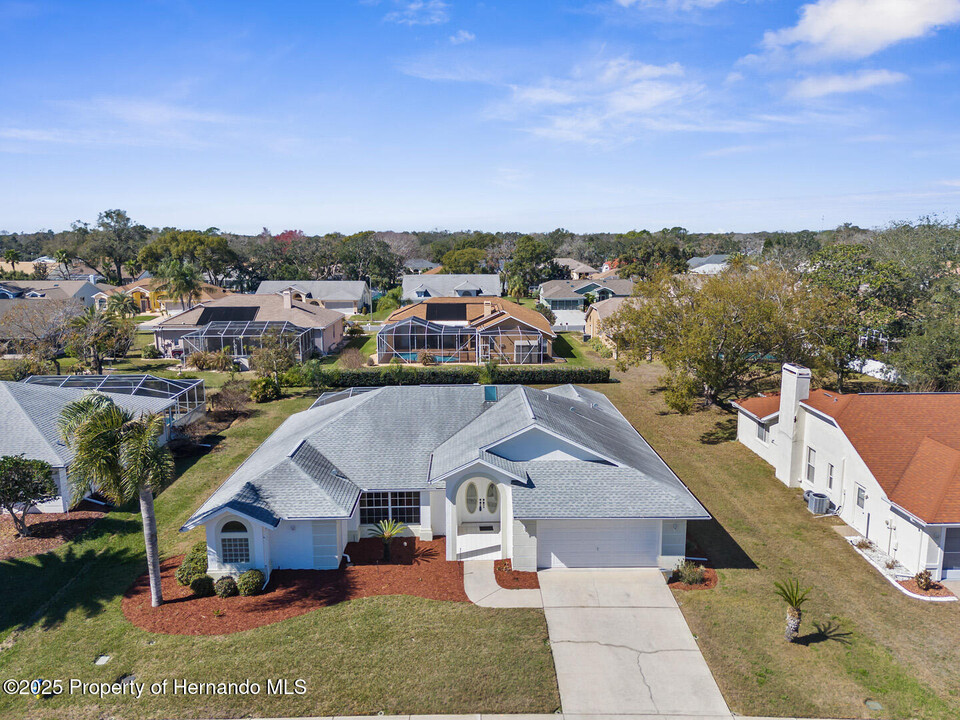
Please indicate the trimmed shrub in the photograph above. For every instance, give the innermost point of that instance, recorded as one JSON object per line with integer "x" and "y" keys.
{"x": 150, "y": 352}
{"x": 202, "y": 586}
{"x": 924, "y": 580}
{"x": 226, "y": 587}
{"x": 689, "y": 573}
{"x": 251, "y": 583}
{"x": 194, "y": 564}
{"x": 264, "y": 390}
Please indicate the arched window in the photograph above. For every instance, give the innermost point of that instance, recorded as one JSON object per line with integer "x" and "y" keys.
{"x": 234, "y": 543}
{"x": 471, "y": 498}
{"x": 493, "y": 498}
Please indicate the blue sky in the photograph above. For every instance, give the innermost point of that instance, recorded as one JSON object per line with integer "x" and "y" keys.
{"x": 594, "y": 115}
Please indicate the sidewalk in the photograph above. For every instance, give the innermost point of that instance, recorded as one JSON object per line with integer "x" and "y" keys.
{"x": 480, "y": 585}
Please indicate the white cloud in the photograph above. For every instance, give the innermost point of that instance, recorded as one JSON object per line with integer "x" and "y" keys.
{"x": 820, "y": 85}
{"x": 462, "y": 36}
{"x": 859, "y": 28}
{"x": 732, "y": 150}
{"x": 419, "y": 12}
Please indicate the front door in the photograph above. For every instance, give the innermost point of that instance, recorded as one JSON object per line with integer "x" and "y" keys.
{"x": 478, "y": 520}
{"x": 861, "y": 518}
{"x": 951, "y": 553}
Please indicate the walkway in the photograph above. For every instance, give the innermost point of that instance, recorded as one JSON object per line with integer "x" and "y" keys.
{"x": 481, "y": 587}
{"x": 621, "y": 647}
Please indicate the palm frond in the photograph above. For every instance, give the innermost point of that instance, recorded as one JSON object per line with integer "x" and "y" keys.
{"x": 791, "y": 593}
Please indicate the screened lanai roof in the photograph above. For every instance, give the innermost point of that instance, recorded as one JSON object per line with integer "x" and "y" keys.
{"x": 187, "y": 393}
{"x": 249, "y": 328}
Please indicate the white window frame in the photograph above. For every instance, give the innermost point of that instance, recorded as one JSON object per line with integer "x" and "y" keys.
{"x": 861, "y": 497}
{"x": 830, "y": 471}
{"x": 811, "y": 468}
{"x": 238, "y": 541}
{"x": 763, "y": 432}
{"x": 400, "y": 505}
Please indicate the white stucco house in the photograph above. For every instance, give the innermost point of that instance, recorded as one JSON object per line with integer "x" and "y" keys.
{"x": 547, "y": 478}
{"x": 889, "y": 462}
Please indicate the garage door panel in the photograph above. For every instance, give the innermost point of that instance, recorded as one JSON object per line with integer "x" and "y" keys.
{"x": 598, "y": 543}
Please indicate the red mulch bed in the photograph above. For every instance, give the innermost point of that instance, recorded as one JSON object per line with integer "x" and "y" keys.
{"x": 711, "y": 581}
{"x": 47, "y": 531}
{"x": 417, "y": 568}
{"x": 936, "y": 590}
{"x": 512, "y": 579}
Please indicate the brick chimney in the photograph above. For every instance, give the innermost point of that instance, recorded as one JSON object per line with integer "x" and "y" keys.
{"x": 794, "y": 389}
{"x": 487, "y": 308}
{"x": 287, "y": 299}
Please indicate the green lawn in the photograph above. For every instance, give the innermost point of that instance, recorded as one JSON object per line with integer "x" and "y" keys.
{"x": 577, "y": 353}
{"x": 391, "y": 654}
{"x": 872, "y": 643}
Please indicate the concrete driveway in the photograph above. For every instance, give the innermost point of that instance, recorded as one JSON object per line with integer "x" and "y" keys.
{"x": 622, "y": 647}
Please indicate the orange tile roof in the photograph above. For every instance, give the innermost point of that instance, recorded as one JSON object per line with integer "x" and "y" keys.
{"x": 475, "y": 317}
{"x": 909, "y": 441}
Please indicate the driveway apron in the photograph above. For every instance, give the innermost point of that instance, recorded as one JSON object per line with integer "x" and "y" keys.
{"x": 622, "y": 647}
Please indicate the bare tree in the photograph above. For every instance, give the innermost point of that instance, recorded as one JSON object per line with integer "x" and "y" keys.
{"x": 41, "y": 327}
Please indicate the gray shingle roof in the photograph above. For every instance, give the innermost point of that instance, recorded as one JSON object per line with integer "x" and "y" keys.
{"x": 716, "y": 259}
{"x": 29, "y": 415}
{"x": 394, "y": 438}
{"x": 318, "y": 289}
{"x": 444, "y": 285}
{"x": 574, "y": 289}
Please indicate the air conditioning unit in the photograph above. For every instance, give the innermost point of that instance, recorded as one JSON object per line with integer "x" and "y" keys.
{"x": 818, "y": 503}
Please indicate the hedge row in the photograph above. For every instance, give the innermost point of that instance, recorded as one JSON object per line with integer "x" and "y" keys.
{"x": 400, "y": 375}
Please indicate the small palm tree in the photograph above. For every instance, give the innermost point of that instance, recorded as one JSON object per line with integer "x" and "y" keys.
{"x": 181, "y": 280}
{"x": 516, "y": 288}
{"x": 387, "y": 530}
{"x": 794, "y": 597}
{"x": 12, "y": 256}
{"x": 119, "y": 455}
{"x": 122, "y": 304}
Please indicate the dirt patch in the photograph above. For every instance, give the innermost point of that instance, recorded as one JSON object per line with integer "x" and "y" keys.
{"x": 710, "y": 581}
{"x": 512, "y": 579}
{"x": 418, "y": 568}
{"x": 47, "y": 532}
{"x": 936, "y": 590}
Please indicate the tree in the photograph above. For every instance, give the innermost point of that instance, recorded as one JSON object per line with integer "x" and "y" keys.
{"x": 95, "y": 335}
{"x": 468, "y": 261}
{"x": 23, "y": 484}
{"x": 275, "y": 356}
{"x": 716, "y": 339}
{"x": 40, "y": 271}
{"x": 64, "y": 259}
{"x": 530, "y": 256}
{"x": 116, "y": 242}
{"x": 208, "y": 250}
{"x": 643, "y": 254}
{"x": 121, "y": 456}
{"x": 181, "y": 280}
{"x": 789, "y": 590}
{"x": 363, "y": 257}
{"x": 928, "y": 357}
{"x": 42, "y": 328}
{"x": 122, "y": 305}
{"x": 390, "y": 300}
{"x": 516, "y": 287}
{"x": 12, "y": 256}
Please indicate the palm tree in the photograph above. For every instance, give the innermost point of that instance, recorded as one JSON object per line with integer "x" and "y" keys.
{"x": 120, "y": 456}
{"x": 515, "y": 287}
{"x": 794, "y": 597}
{"x": 181, "y": 280}
{"x": 122, "y": 304}
{"x": 64, "y": 258}
{"x": 12, "y": 256}
{"x": 94, "y": 333}
{"x": 387, "y": 530}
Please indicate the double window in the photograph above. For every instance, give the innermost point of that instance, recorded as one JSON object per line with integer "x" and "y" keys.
{"x": 400, "y": 506}
{"x": 830, "y": 476}
{"x": 234, "y": 543}
{"x": 763, "y": 432}
{"x": 811, "y": 464}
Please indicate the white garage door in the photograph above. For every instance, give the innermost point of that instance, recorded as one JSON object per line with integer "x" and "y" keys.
{"x": 598, "y": 543}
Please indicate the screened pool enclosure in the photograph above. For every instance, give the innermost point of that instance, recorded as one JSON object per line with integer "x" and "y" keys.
{"x": 454, "y": 343}
{"x": 240, "y": 338}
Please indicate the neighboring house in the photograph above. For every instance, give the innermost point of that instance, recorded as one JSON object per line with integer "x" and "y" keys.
{"x": 150, "y": 299}
{"x": 237, "y": 323}
{"x": 555, "y": 478}
{"x": 710, "y": 265}
{"x": 427, "y": 285}
{"x": 595, "y": 324}
{"x": 604, "y": 274}
{"x": 349, "y": 297}
{"x": 572, "y": 294}
{"x": 81, "y": 290}
{"x": 578, "y": 270}
{"x": 416, "y": 266}
{"x": 466, "y": 330}
{"x": 888, "y": 462}
{"x": 29, "y": 414}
